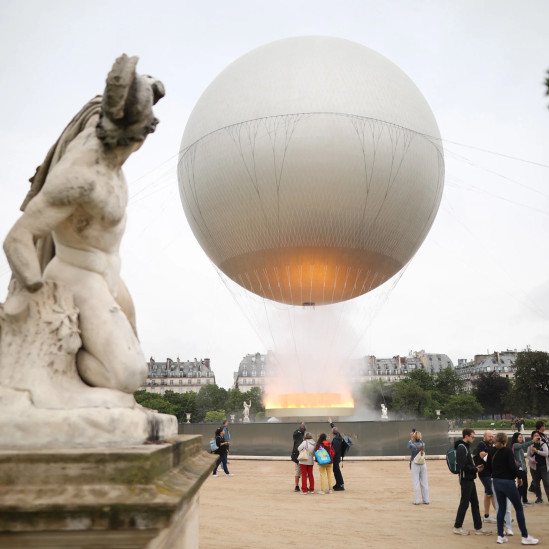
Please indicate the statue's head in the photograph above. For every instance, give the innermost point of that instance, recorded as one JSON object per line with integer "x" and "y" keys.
{"x": 126, "y": 111}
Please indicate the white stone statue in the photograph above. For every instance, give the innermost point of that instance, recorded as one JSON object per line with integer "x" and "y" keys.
{"x": 247, "y": 411}
{"x": 69, "y": 322}
{"x": 384, "y": 412}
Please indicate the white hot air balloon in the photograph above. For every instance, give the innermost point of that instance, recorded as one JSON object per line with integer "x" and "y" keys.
{"x": 311, "y": 170}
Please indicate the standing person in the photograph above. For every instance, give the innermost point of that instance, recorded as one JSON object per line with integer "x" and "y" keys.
{"x": 419, "y": 471}
{"x": 222, "y": 452}
{"x": 326, "y": 471}
{"x": 540, "y": 428}
{"x": 504, "y": 473}
{"x": 467, "y": 474}
{"x": 227, "y": 435}
{"x": 307, "y": 465}
{"x": 518, "y": 445}
{"x": 298, "y": 439}
{"x": 540, "y": 452}
{"x": 485, "y": 475}
{"x": 337, "y": 442}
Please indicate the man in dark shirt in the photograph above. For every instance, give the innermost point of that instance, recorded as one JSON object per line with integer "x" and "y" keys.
{"x": 467, "y": 474}
{"x": 485, "y": 476}
{"x": 337, "y": 441}
{"x": 298, "y": 439}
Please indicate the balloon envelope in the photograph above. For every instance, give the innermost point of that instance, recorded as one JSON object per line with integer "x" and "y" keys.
{"x": 311, "y": 170}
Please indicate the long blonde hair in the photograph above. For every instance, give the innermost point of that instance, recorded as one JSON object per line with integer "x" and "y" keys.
{"x": 416, "y": 436}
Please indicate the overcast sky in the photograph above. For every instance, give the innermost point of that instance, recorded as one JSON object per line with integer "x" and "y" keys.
{"x": 479, "y": 283}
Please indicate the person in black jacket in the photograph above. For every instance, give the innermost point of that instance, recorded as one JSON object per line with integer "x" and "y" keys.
{"x": 222, "y": 447}
{"x": 504, "y": 473}
{"x": 467, "y": 474}
{"x": 337, "y": 441}
{"x": 298, "y": 439}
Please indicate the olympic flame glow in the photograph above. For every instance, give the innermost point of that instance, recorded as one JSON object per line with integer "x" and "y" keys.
{"x": 309, "y": 400}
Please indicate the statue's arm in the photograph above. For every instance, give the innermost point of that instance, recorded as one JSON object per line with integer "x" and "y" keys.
{"x": 41, "y": 216}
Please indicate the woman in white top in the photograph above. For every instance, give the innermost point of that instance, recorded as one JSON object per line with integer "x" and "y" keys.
{"x": 307, "y": 464}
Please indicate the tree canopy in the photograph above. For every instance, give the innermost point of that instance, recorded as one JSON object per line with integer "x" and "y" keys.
{"x": 491, "y": 390}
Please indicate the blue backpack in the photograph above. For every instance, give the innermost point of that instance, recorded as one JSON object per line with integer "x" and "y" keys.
{"x": 213, "y": 446}
{"x": 322, "y": 456}
{"x": 451, "y": 460}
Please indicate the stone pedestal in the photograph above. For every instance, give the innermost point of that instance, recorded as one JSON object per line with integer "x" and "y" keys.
{"x": 142, "y": 496}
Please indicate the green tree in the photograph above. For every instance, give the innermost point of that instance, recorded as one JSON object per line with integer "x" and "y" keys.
{"x": 462, "y": 406}
{"x": 184, "y": 403}
{"x": 215, "y": 416}
{"x": 154, "y": 401}
{"x": 448, "y": 382}
{"x": 422, "y": 379}
{"x": 532, "y": 372}
{"x": 373, "y": 394}
{"x": 235, "y": 400}
{"x": 491, "y": 391}
{"x": 209, "y": 398}
{"x": 409, "y": 398}
{"x": 255, "y": 396}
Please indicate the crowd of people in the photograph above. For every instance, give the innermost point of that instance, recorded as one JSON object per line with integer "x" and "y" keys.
{"x": 502, "y": 468}
{"x": 305, "y": 452}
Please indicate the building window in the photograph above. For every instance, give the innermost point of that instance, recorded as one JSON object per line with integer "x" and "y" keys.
{"x": 198, "y": 381}
{"x": 253, "y": 381}
{"x": 189, "y": 381}
{"x": 244, "y": 381}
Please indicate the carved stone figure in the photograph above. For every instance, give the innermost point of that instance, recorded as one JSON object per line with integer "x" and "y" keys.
{"x": 247, "y": 411}
{"x": 64, "y": 255}
{"x": 384, "y": 412}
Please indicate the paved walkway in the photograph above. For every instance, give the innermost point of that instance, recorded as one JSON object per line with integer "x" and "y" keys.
{"x": 257, "y": 508}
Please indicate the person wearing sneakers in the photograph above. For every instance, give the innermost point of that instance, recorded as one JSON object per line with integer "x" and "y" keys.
{"x": 540, "y": 475}
{"x": 307, "y": 465}
{"x": 298, "y": 439}
{"x": 504, "y": 473}
{"x": 326, "y": 471}
{"x": 337, "y": 442}
{"x": 222, "y": 446}
{"x": 419, "y": 470}
{"x": 485, "y": 476}
{"x": 467, "y": 474}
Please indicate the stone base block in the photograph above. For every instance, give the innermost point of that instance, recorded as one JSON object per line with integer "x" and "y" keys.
{"x": 140, "y": 497}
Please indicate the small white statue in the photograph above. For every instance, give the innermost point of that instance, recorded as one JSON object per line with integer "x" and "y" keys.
{"x": 247, "y": 411}
{"x": 384, "y": 412}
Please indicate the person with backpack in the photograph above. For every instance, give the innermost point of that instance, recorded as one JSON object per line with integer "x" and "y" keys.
{"x": 418, "y": 468}
{"x": 467, "y": 474}
{"x": 222, "y": 446}
{"x": 326, "y": 470}
{"x": 298, "y": 439}
{"x": 504, "y": 473}
{"x": 337, "y": 444}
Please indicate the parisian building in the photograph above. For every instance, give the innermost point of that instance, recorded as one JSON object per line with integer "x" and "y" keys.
{"x": 179, "y": 377}
{"x": 391, "y": 370}
{"x": 502, "y": 362}
{"x": 256, "y": 369}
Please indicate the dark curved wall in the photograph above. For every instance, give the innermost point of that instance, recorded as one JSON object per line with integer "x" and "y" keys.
{"x": 370, "y": 438}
